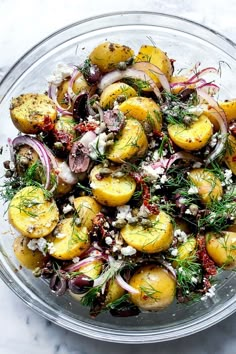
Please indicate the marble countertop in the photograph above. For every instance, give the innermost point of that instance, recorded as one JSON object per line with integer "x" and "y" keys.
{"x": 22, "y": 24}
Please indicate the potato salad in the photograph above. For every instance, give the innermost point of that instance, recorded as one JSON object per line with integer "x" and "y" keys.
{"x": 120, "y": 184}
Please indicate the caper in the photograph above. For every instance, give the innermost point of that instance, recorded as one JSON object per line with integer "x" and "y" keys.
{"x": 119, "y": 223}
{"x": 194, "y": 209}
{"x": 8, "y": 173}
{"x": 122, "y": 65}
{"x": 146, "y": 223}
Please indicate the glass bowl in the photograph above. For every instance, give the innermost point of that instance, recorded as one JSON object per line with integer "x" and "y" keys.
{"x": 183, "y": 40}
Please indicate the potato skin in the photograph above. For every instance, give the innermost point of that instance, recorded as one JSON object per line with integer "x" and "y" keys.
{"x": 107, "y": 55}
{"x": 157, "y": 57}
{"x": 92, "y": 269}
{"x": 26, "y": 257}
{"x": 73, "y": 244}
{"x": 111, "y": 191}
{"x": 30, "y": 112}
{"x": 222, "y": 248}
{"x": 113, "y": 91}
{"x": 156, "y": 288}
{"x": 209, "y": 186}
{"x": 230, "y": 155}
{"x": 31, "y": 214}
{"x": 79, "y": 85}
{"x": 194, "y": 137}
{"x": 87, "y": 208}
{"x": 144, "y": 109}
{"x": 154, "y": 239}
{"x": 131, "y": 143}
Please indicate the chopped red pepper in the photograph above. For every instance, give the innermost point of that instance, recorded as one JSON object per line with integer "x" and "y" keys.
{"x": 48, "y": 125}
{"x": 65, "y": 138}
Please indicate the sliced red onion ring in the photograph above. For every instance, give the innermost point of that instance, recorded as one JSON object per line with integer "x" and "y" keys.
{"x": 117, "y": 75}
{"x": 208, "y": 70}
{"x": 52, "y": 93}
{"x": 219, "y": 115}
{"x": 187, "y": 83}
{"x": 83, "y": 262}
{"x": 70, "y": 91}
{"x": 125, "y": 285}
{"x": 168, "y": 266}
{"x": 153, "y": 69}
{"x": 41, "y": 151}
{"x": 210, "y": 88}
{"x": 181, "y": 155}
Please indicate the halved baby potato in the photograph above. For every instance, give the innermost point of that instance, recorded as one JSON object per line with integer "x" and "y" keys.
{"x": 32, "y": 214}
{"x": 156, "y": 288}
{"x": 107, "y": 55}
{"x": 143, "y": 109}
{"x": 228, "y": 108}
{"x": 70, "y": 240}
{"x": 222, "y": 248}
{"x": 25, "y": 256}
{"x": 109, "y": 190}
{"x": 178, "y": 80}
{"x": 208, "y": 184}
{"x": 87, "y": 208}
{"x": 194, "y": 137}
{"x": 29, "y": 112}
{"x": 113, "y": 291}
{"x": 131, "y": 142}
{"x": 113, "y": 91}
{"x": 65, "y": 124}
{"x": 153, "y": 239}
{"x": 155, "y": 56}
{"x": 230, "y": 154}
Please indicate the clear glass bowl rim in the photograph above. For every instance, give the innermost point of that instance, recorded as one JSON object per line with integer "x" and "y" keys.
{"x": 93, "y": 331}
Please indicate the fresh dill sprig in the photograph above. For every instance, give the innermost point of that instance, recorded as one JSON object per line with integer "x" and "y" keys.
{"x": 84, "y": 188}
{"x": 89, "y": 298}
{"x": 116, "y": 303}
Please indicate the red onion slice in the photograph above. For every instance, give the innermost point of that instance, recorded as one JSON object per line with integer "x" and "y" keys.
{"x": 83, "y": 262}
{"x": 52, "y": 93}
{"x": 181, "y": 155}
{"x": 117, "y": 75}
{"x": 125, "y": 285}
{"x": 70, "y": 91}
{"x": 153, "y": 69}
{"x": 41, "y": 151}
{"x": 219, "y": 115}
{"x": 208, "y": 70}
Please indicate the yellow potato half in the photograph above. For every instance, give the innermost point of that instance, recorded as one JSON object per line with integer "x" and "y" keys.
{"x": 143, "y": 109}
{"x": 109, "y": 190}
{"x": 29, "y": 112}
{"x": 107, "y": 55}
{"x": 113, "y": 291}
{"x": 113, "y": 91}
{"x": 208, "y": 184}
{"x": 156, "y": 288}
{"x": 157, "y": 57}
{"x": 194, "y": 137}
{"x": 222, "y": 248}
{"x": 79, "y": 85}
{"x": 92, "y": 269}
{"x": 87, "y": 208}
{"x": 70, "y": 241}
{"x": 178, "y": 88}
{"x": 230, "y": 154}
{"x": 32, "y": 214}
{"x": 153, "y": 239}
{"x": 131, "y": 142}
{"x": 26, "y": 257}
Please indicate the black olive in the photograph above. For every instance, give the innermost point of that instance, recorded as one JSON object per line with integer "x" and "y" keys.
{"x": 186, "y": 93}
{"x": 80, "y": 109}
{"x": 92, "y": 74}
{"x": 125, "y": 309}
{"x": 58, "y": 284}
{"x": 80, "y": 284}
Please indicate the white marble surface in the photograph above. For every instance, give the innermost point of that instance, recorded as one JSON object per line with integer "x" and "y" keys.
{"x": 22, "y": 24}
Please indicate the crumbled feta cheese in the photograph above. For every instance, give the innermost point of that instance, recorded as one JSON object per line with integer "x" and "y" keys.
{"x": 194, "y": 280}
{"x": 75, "y": 259}
{"x": 181, "y": 235}
{"x": 173, "y": 251}
{"x": 60, "y": 235}
{"x": 193, "y": 190}
{"x": 196, "y": 110}
{"x": 61, "y": 72}
{"x": 108, "y": 240}
{"x": 128, "y": 251}
{"x": 50, "y": 247}
{"x": 124, "y": 211}
{"x": 228, "y": 178}
{"x": 143, "y": 212}
{"x": 39, "y": 243}
{"x": 188, "y": 211}
{"x": 97, "y": 146}
{"x": 152, "y": 144}
{"x": 197, "y": 164}
{"x": 163, "y": 179}
{"x": 210, "y": 293}
{"x": 152, "y": 173}
{"x": 67, "y": 208}
{"x": 93, "y": 185}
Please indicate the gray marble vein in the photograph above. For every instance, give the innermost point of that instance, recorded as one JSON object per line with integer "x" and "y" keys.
{"x": 22, "y": 24}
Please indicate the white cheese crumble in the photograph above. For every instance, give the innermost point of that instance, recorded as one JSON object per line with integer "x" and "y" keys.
{"x": 163, "y": 179}
{"x": 67, "y": 208}
{"x": 128, "y": 251}
{"x": 108, "y": 240}
{"x": 210, "y": 293}
{"x": 124, "y": 211}
{"x": 228, "y": 178}
{"x": 97, "y": 146}
{"x": 193, "y": 190}
{"x": 173, "y": 251}
{"x": 152, "y": 173}
{"x": 197, "y": 164}
{"x": 38, "y": 243}
{"x": 60, "y": 235}
{"x": 181, "y": 235}
{"x": 75, "y": 259}
{"x": 61, "y": 72}
{"x": 50, "y": 247}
